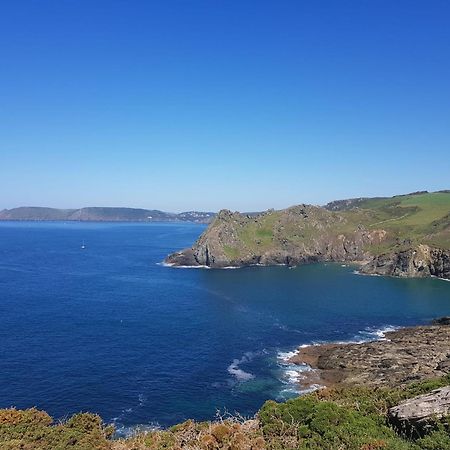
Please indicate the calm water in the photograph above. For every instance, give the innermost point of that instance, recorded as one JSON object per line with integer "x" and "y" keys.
{"x": 107, "y": 329}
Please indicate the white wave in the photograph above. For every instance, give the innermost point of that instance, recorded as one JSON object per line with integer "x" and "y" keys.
{"x": 373, "y": 334}
{"x": 241, "y": 375}
{"x": 165, "y": 264}
{"x": 188, "y": 267}
{"x": 293, "y": 374}
{"x": 237, "y": 372}
{"x": 142, "y": 399}
{"x": 286, "y": 356}
{"x": 439, "y": 278}
{"x": 199, "y": 266}
{"x": 124, "y": 431}
{"x": 357, "y": 272}
{"x": 369, "y": 334}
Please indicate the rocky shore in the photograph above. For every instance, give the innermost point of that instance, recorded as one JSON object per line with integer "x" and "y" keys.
{"x": 403, "y": 356}
{"x": 404, "y": 236}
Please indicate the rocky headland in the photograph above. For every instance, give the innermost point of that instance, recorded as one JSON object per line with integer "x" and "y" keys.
{"x": 407, "y": 236}
{"x": 401, "y": 357}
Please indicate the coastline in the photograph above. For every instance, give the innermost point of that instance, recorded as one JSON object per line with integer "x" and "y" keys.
{"x": 403, "y": 356}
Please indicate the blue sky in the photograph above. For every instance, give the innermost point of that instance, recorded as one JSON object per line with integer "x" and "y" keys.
{"x": 247, "y": 105}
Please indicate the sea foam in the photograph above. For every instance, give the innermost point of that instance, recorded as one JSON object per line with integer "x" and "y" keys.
{"x": 293, "y": 374}
{"x": 237, "y": 372}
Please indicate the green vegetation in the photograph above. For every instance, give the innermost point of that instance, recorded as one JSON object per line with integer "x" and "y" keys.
{"x": 309, "y": 423}
{"x": 408, "y": 220}
{"x": 349, "y": 418}
{"x": 411, "y": 217}
{"x": 330, "y": 419}
{"x": 32, "y": 429}
{"x": 258, "y": 235}
{"x": 231, "y": 252}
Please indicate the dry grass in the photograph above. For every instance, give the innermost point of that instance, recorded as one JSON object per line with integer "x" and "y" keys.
{"x": 226, "y": 434}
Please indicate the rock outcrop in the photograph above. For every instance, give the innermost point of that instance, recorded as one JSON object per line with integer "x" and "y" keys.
{"x": 421, "y": 261}
{"x": 414, "y": 416}
{"x": 406, "y": 355}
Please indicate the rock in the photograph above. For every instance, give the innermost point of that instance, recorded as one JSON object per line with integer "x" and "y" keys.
{"x": 441, "y": 321}
{"x": 408, "y": 354}
{"x": 444, "y": 366}
{"x": 414, "y": 416}
{"x": 420, "y": 261}
{"x": 183, "y": 258}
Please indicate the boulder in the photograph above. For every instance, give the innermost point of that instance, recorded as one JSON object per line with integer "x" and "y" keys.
{"x": 413, "y": 417}
{"x": 441, "y": 321}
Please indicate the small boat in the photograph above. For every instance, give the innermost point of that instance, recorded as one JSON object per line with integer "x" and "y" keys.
{"x": 83, "y": 246}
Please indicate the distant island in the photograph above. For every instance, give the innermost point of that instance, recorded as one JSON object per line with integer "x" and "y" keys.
{"x": 405, "y": 235}
{"x": 103, "y": 214}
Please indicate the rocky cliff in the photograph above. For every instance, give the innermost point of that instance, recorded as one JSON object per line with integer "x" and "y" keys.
{"x": 298, "y": 235}
{"x": 420, "y": 261}
{"x": 401, "y": 236}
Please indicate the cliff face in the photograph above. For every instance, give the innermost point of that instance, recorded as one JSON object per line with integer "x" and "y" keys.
{"x": 421, "y": 261}
{"x": 298, "y": 235}
{"x": 400, "y": 236}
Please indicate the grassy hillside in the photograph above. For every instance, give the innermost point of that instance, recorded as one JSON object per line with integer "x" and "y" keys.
{"x": 422, "y": 218}
{"x": 407, "y": 220}
{"x": 418, "y": 218}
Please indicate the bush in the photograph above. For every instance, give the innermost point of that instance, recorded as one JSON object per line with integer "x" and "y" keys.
{"x": 330, "y": 419}
{"x": 32, "y": 429}
{"x": 311, "y": 423}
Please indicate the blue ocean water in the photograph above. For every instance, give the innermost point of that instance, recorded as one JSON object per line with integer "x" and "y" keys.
{"x": 107, "y": 329}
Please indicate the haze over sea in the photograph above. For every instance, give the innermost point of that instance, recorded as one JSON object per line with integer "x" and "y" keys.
{"x": 108, "y": 329}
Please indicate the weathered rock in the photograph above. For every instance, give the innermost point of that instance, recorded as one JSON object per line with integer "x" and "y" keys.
{"x": 415, "y": 415}
{"x": 441, "y": 321}
{"x": 420, "y": 261}
{"x": 408, "y": 354}
{"x": 183, "y": 258}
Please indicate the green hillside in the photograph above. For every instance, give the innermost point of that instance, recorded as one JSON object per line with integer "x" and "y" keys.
{"x": 405, "y": 235}
{"x": 408, "y": 219}
{"x": 423, "y": 218}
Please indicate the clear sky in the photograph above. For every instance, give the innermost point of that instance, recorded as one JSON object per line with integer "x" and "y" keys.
{"x": 206, "y": 104}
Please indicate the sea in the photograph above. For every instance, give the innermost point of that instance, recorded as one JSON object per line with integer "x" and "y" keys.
{"x": 109, "y": 329}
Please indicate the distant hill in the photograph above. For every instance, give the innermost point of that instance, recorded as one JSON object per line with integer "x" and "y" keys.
{"x": 103, "y": 214}
{"x": 404, "y": 235}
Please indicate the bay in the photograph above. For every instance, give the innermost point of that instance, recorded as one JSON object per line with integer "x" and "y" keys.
{"x": 111, "y": 330}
